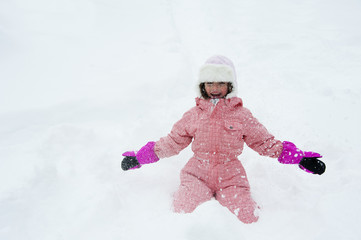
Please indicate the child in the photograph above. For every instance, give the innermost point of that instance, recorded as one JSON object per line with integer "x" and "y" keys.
{"x": 218, "y": 126}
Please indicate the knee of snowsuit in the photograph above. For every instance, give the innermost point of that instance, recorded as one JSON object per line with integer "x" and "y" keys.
{"x": 212, "y": 175}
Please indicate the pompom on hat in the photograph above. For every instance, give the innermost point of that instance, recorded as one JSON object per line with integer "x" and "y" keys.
{"x": 218, "y": 69}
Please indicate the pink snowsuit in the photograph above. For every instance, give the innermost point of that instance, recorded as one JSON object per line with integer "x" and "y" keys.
{"x": 218, "y": 133}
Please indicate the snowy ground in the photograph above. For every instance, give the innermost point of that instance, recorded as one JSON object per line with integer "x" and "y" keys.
{"x": 84, "y": 80}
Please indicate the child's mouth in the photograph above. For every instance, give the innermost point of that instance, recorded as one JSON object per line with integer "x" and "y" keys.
{"x": 216, "y": 95}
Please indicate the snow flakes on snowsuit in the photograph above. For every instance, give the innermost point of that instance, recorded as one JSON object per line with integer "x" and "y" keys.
{"x": 218, "y": 134}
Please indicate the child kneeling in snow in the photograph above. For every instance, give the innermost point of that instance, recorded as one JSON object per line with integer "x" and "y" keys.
{"x": 219, "y": 126}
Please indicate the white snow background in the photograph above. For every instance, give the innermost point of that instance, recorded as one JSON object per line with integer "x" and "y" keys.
{"x": 82, "y": 81}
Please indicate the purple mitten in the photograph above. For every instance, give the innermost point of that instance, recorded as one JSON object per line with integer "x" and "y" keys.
{"x": 306, "y": 160}
{"x": 135, "y": 160}
{"x": 292, "y": 155}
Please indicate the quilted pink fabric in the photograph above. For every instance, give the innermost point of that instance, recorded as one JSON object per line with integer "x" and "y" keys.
{"x": 218, "y": 133}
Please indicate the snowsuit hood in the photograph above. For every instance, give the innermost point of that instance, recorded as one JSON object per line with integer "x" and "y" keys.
{"x": 231, "y": 103}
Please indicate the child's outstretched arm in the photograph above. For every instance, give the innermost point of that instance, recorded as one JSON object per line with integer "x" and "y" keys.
{"x": 178, "y": 139}
{"x": 259, "y": 139}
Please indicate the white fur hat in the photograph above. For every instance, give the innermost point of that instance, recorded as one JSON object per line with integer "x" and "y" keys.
{"x": 218, "y": 69}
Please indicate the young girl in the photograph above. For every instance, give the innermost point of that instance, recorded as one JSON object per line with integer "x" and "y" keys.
{"x": 218, "y": 126}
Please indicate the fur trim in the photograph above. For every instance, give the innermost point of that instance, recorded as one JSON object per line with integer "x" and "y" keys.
{"x": 217, "y": 73}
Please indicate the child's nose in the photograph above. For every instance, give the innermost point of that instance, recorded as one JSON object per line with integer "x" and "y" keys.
{"x": 215, "y": 86}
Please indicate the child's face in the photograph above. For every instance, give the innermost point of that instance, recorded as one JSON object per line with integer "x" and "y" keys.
{"x": 216, "y": 89}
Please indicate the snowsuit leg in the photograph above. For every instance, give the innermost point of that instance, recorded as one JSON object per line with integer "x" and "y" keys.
{"x": 239, "y": 201}
{"x": 191, "y": 193}
{"x": 234, "y": 192}
{"x": 202, "y": 179}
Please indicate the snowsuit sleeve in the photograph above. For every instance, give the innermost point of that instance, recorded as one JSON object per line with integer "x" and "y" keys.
{"x": 259, "y": 139}
{"x": 179, "y": 138}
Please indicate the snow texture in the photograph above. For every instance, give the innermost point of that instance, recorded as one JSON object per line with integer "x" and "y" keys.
{"x": 83, "y": 81}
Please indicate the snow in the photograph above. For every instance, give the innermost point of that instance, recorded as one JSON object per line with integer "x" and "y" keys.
{"x": 84, "y": 80}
